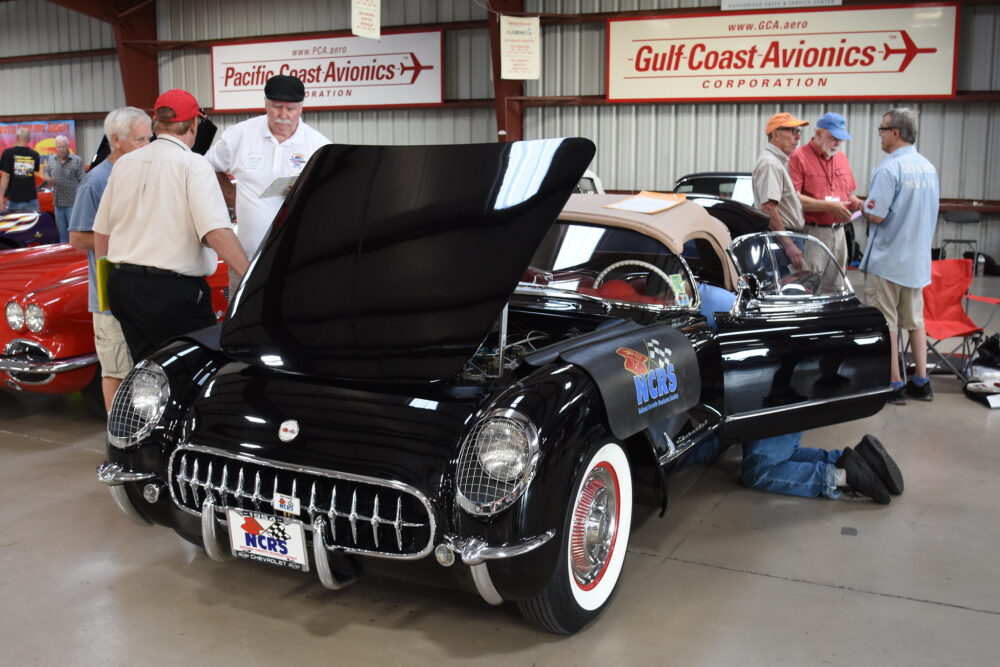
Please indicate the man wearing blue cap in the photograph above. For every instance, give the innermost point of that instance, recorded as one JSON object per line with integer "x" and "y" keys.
{"x": 823, "y": 178}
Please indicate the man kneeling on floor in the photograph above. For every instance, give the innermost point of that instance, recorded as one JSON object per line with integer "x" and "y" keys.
{"x": 781, "y": 465}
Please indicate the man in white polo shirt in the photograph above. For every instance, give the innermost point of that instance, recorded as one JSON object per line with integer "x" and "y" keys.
{"x": 261, "y": 149}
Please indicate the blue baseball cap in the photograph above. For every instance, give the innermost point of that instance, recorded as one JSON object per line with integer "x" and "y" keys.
{"x": 835, "y": 124}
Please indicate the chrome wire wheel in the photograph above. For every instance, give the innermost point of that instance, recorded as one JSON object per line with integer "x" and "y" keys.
{"x": 595, "y": 526}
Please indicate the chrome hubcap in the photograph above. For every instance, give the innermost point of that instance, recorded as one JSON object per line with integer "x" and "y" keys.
{"x": 592, "y": 533}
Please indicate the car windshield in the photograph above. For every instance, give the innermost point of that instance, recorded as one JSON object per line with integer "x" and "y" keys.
{"x": 615, "y": 264}
{"x": 766, "y": 256}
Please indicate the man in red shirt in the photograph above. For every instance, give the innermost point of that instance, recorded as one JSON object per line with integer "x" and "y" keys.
{"x": 822, "y": 176}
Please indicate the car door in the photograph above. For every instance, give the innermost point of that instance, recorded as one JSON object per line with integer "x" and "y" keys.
{"x": 798, "y": 349}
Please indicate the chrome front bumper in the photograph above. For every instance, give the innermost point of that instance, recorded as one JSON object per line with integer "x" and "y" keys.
{"x": 473, "y": 552}
{"x": 113, "y": 476}
{"x": 21, "y": 365}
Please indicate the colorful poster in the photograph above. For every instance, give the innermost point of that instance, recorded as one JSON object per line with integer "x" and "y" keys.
{"x": 902, "y": 52}
{"x": 43, "y": 134}
{"x": 401, "y": 69}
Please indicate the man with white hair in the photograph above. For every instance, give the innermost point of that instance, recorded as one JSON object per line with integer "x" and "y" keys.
{"x": 259, "y": 150}
{"x": 823, "y": 178}
{"x": 127, "y": 129}
{"x": 63, "y": 173}
{"x": 160, "y": 213}
{"x": 18, "y": 166}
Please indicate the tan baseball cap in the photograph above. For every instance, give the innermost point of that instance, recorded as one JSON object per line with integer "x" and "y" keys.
{"x": 782, "y": 119}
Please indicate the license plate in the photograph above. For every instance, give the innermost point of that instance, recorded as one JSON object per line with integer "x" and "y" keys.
{"x": 268, "y": 539}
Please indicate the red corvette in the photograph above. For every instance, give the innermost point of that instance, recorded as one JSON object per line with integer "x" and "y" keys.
{"x": 47, "y": 336}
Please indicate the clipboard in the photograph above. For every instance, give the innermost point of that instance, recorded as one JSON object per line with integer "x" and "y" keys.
{"x": 649, "y": 202}
{"x": 279, "y": 188}
{"x": 102, "y": 270}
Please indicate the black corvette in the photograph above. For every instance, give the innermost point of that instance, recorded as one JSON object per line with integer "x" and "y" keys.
{"x": 442, "y": 367}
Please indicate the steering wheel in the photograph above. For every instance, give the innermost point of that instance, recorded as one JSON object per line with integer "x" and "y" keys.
{"x": 625, "y": 262}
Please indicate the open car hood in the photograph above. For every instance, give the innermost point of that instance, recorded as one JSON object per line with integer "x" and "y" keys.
{"x": 393, "y": 262}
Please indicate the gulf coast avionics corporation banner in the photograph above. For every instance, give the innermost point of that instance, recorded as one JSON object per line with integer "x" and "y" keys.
{"x": 401, "y": 69}
{"x": 844, "y": 54}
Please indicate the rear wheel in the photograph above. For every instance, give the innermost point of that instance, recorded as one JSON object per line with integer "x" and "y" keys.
{"x": 592, "y": 550}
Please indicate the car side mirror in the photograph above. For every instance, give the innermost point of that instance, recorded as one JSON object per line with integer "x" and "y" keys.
{"x": 747, "y": 292}
{"x": 749, "y": 283}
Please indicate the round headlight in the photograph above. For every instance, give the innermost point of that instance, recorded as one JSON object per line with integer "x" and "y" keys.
{"x": 503, "y": 450}
{"x": 34, "y": 316}
{"x": 138, "y": 405}
{"x": 15, "y": 316}
{"x": 497, "y": 462}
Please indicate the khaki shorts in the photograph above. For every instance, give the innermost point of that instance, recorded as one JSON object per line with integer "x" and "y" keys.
{"x": 112, "y": 350}
{"x": 902, "y": 306}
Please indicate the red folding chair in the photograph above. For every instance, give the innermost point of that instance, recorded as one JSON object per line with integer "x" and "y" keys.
{"x": 945, "y": 315}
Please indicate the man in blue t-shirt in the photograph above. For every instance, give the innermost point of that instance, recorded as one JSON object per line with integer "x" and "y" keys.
{"x": 127, "y": 128}
{"x": 902, "y": 206}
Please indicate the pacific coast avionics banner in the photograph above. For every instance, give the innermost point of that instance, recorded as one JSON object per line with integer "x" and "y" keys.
{"x": 402, "y": 69}
{"x": 844, "y": 54}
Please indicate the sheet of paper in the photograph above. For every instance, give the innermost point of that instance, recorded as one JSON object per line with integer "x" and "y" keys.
{"x": 648, "y": 202}
{"x": 279, "y": 188}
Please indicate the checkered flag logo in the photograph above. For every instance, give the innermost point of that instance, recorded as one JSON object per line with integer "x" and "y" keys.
{"x": 277, "y": 531}
{"x": 659, "y": 356}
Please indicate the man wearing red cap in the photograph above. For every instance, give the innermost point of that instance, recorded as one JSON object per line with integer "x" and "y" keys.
{"x": 773, "y": 190}
{"x": 160, "y": 223}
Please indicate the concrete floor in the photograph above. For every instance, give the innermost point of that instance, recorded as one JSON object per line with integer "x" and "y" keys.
{"x": 729, "y": 576}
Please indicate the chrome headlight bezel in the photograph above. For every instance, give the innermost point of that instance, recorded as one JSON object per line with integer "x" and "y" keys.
{"x": 14, "y": 315}
{"x": 483, "y": 492}
{"x": 129, "y": 423}
{"x": 34, "y": 317}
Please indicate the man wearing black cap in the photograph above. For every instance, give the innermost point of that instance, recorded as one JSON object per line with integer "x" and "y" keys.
{"x": 259, "y": 150}
{"x": 159, "y": 220}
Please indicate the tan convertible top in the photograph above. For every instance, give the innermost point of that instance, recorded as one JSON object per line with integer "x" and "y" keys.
{"x": 673, "y": 227}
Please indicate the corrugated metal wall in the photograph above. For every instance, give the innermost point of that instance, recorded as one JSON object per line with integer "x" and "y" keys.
{"x": 649, "y": 146}
{"x": 85, "y": 84}
{"x": 639, "y": 146}
{"x": 467, "y": 58}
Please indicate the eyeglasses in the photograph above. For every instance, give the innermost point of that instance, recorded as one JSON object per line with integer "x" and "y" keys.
{"x": 793, "y": 130}
{"x": 886, "y": 129}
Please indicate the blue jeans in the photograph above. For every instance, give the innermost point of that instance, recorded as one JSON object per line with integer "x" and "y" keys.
{"x": 63, "y": 214}
{"x": 780, "y": 465}
{"x": 22, "y": 205}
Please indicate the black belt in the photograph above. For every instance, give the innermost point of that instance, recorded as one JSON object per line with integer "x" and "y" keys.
{"x": 148, "y": 270}
{"x": 832, "y": 224}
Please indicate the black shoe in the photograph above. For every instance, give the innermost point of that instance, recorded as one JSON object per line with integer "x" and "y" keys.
{"x": 897, "y": 397}
{"x": 874, "y": 454}
{"x": 922, "y": 393}
{"x": 861, "y": 478}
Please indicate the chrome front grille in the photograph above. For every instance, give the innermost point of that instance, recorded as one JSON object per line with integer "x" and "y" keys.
{"x": 358, "y": 514}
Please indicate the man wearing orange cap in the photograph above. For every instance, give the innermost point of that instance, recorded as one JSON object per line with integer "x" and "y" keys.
{"x": 773, "y": 190}
{"x": 161, "y": 208}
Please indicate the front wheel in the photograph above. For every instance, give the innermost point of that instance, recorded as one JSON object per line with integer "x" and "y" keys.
{"x": 592, "y": 551}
